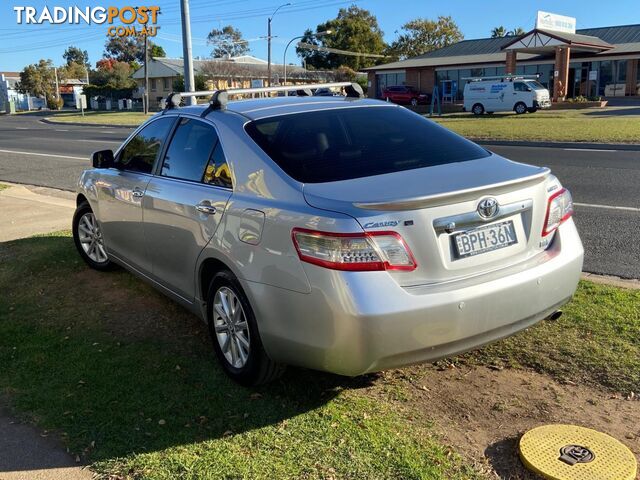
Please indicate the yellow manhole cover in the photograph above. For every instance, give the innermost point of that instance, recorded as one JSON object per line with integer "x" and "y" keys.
{"x": 568, "y": 452}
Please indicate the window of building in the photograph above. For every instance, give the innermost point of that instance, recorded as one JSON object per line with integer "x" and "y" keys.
{"x": 166, "y": 83}
{"x": 141, "y": 152}
{"x": 189, "y": 150}
{"x": 153, "y": 84}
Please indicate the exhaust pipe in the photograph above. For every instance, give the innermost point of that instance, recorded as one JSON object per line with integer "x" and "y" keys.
{"x": 555, "y": 315}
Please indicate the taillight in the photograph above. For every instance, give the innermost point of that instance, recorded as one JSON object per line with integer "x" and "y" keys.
{"x": 364, "y": 251}
{"x": 559, "y": 209}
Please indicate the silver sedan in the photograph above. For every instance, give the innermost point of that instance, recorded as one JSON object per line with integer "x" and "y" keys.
{"x": 336, "y": 233}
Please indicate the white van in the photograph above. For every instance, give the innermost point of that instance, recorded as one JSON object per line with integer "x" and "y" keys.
{"x": 504, "y": 94}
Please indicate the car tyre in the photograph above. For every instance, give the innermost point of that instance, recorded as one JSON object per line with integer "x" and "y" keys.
{"x": 477, "y": 109}
{"x": 520, "y": 108}
{"x": 235, "y": 336}
{"x": 87, "y": 236}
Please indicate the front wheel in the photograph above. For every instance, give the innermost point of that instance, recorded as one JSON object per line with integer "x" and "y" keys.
{"x": 520, "y": 108}
{"x": 477, "y": 109}
{"x": 87, "y": 235}
{"x": 234, "y": 331}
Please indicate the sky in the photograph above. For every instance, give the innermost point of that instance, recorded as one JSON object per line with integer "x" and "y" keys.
{"x": 21, "y": 45}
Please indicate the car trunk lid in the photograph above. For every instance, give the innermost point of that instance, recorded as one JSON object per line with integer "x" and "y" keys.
{"x": 421, "y": 205}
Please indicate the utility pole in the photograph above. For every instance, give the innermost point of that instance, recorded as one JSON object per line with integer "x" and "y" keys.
{"x": 269, "y": 42}
{"x": 55, "y": 71}
{"x": 269, "y": 52}
{"x": 186, "y": 50}
{"x": 145, "y": 100}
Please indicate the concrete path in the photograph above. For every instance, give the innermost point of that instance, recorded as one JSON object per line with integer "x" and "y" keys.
{"x": 28, "y": 454}
{"x": 27, "y": 211}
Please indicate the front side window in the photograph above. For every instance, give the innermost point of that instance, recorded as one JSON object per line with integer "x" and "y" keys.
{"x": 520, "y": 87}
{"x": 141, "y": 152}
{"x": 346, "y": 143}
{"x": 189, "y": 150}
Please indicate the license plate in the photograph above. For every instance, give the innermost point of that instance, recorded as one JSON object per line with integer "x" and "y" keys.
{"x": 485, "y": 239}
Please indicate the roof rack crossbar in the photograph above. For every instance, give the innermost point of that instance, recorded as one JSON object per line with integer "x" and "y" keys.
{"x": 509, "y": 76}
{"x": 218, "y": 98}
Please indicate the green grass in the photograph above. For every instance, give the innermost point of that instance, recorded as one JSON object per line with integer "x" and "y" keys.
{"x": 3, "y": 186}
{"x": 129, "y": 380}
{"x": 553, "y": 125}
{"x": 132, "y": 119}
{"x": 595, "y": 342}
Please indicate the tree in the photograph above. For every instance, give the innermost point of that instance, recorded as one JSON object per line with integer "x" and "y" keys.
{"x": 130, "y": 49}
{"x": 422, "y": 35}
{"x": 73, "y": 70}
{"x": 199, "y": 80}
{"x": 499, "y": 32}
{"x": 227, "y": 42}
{"x": 74, "y": 55}
{"x": 156, "y": 51}
{"x": 355, "y": 30}
{"x": 112, "y": 73}
{"x": 516, "y": 32}
{"x": 38, "y": 79}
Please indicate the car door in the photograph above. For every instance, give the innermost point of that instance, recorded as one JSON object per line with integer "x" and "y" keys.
{"x": 121, "y": 191}
{"x": 184, "y": 203}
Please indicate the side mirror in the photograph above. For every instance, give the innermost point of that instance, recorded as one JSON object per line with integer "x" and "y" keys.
{"x": 102, "y": 159}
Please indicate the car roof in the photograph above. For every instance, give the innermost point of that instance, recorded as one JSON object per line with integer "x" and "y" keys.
{"x": 255, "y": 109}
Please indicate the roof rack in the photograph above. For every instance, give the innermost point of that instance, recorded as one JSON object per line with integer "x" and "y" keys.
{"x": 507, "y": 76}
{"x": 219, "y": 98}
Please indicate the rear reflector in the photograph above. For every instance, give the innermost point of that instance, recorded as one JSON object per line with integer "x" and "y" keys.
{"x": 366, "y": 251}
{"x": 559, "y": 209}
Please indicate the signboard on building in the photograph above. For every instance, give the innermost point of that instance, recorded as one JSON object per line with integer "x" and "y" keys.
{"x": 555, "y": 22}
{"x": 593, "y": 74}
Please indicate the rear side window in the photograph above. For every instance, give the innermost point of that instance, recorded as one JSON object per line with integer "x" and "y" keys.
{"x": 189, "y": 150}
{"x": 346, "y": 143}
{"x": 142, "y": 150}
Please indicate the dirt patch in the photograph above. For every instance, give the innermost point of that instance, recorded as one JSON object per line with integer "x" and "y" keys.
{"x": 483, "y": 412}
{"x": 134, "y": 310}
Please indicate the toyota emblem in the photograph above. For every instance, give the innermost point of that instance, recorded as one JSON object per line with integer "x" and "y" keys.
{"x": 488, "y": 207}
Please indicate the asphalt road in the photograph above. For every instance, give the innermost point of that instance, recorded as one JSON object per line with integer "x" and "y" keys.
{"x": 605, "y": 183}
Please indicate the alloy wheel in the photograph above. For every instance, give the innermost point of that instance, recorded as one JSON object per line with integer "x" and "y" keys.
{"x": 90, "y": 237}
{"x": 231, "y": 328}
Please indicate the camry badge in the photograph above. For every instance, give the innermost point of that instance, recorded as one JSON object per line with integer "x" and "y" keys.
{"x": 488, "y": 207}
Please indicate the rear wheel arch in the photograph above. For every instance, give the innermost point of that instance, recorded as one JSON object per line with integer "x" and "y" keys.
{"x": 208, "y": 269}
{"x": 81, "y": 199}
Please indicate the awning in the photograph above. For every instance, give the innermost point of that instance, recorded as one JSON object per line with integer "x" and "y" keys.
{"x": 545, "y": 41}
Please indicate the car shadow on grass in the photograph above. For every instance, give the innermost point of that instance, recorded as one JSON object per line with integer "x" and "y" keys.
{"x": 115, "y": 368}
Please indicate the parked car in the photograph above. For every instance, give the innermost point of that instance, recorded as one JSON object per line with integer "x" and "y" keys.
{"x": 519, "y": 95}
{"x": 405, "y": 95}
{"x": 346, "y": 234}
{"x": 325, "y": 92}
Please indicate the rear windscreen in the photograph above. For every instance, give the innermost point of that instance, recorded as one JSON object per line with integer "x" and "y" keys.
{"x": 345, "y": 143}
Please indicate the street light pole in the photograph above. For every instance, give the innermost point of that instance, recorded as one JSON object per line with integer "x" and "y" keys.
{"x": 284, "y": 58}
{"x": 186, "y": 50}
{"x": 269, "y": 41}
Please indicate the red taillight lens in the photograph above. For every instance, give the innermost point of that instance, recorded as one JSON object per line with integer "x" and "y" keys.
{"x": 559, "y": 209}
{"x": 364, "y": 251}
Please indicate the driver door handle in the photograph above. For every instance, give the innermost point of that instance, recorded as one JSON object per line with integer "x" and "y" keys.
{"x": 206, "y": 207}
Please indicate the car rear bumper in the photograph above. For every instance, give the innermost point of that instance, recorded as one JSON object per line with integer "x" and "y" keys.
{"x": 357, "y": 322}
